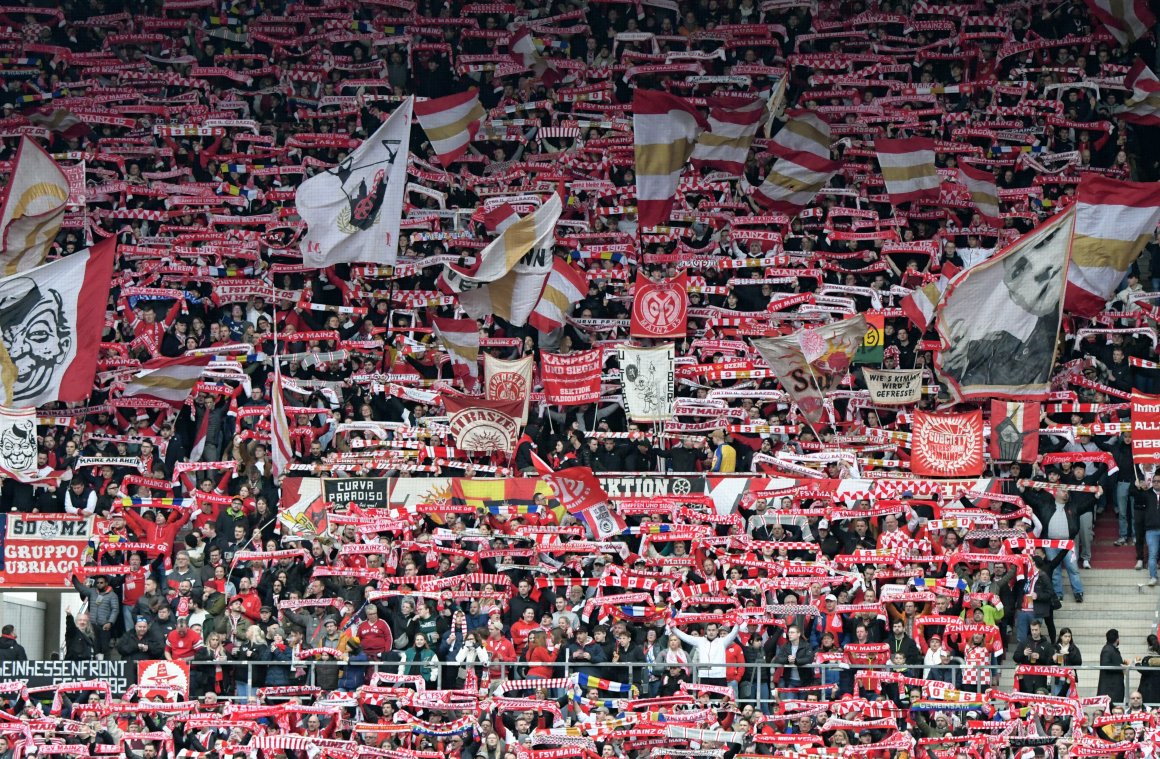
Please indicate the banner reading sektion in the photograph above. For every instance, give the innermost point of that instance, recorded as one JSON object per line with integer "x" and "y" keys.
{"x": 41, "y": 550}
{"x": 947, "y": 445}
{"x": 894, "y": 387}
{"x": 572, "y": 379}
{"x": 363, "y": 492}
{"x": 1145, "y": 429}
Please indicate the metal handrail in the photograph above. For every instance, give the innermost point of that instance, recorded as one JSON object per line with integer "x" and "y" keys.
{"x": 757, "y": 688}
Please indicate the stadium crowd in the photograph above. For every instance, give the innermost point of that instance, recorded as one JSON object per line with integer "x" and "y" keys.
{"x": 881, "y": 616}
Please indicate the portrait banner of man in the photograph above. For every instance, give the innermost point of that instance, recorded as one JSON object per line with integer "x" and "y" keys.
{"x": 51, "y": 319}
{"x": 17, "y": 440}
{"x": 999, "y": 321}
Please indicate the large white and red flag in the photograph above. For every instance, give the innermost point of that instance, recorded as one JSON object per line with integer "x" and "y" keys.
{"x": 665, "y": 129}
{"x": 998, "y": 321}
{"x": 566, "y": 286}
{"x": 34, "y": 205}
{"x": 512, "y": 270}
{"x": 1127, "y": 20}
{"x": 908, "y": 168}
{"x": 353, "y": 210}
{"x": 461, "y": 339}
{"x": 1142, "y": 106}
{"x": 1114, "y": 220}
{"x": 803, "y": 166}
{"x": 51, "y": 319}
{"x": 170, "y": 380}
{"x": 521, "y": 254}
{"x": 450, "y": 123}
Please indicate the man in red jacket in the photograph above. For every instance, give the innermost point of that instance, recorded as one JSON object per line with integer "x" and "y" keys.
{"x": 375, "y": 634}
{"x": 159, "y": 529}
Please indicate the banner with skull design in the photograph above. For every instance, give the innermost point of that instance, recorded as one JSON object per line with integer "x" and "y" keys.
{"x": 647, "y": 375}
{"x": 17, "y": 440}
{"x": 51, "y": 319}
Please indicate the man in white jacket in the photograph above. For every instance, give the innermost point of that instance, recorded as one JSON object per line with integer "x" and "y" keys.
{"x": 710, "y": 651}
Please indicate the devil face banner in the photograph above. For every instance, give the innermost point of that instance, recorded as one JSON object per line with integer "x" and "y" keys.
{"x": 947, "y": 445}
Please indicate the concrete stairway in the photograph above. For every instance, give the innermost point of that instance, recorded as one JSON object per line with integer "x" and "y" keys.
{"x": 1111, "y": 600}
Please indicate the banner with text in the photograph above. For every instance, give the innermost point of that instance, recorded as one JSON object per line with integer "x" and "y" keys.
{"x": 1145, "y": 429}
{"x": 41, "y": 550}
{"x": 894, "y": 387}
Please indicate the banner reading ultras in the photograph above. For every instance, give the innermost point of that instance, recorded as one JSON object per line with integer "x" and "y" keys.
{"x": 41, "y": 550}
{"x": 1145, "y": 429}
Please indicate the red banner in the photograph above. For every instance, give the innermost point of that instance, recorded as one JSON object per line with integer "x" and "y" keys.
{"x": 482, "y": 425}
{"x": 168, "y": 680}
{"x": 1145, "y": 429}
{"x": 572, "y": 379}
{"x": 1014, "y": 431}
{"x": 580, "y": 493}
{"x": 41, "y": 550}
{"x": 660, "y": 309}
{"x": 947, "y": 445}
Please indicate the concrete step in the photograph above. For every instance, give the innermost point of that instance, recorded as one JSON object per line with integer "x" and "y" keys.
{"x": 1112, "y": 599}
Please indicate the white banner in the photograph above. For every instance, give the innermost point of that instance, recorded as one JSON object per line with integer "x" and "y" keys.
{"x": 894, "y": 388}
{"x": 646, "y": 374}
{"x": 17, "y": 440}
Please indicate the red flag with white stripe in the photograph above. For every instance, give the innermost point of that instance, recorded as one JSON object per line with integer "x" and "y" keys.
{"x": 1127, "y": 20}
{"x": 733, "y": 124}
{"x": 281, "y": 449}
{"x": 980, "y": 185}
{"x": 1143, "y": 105}
{"x": 803, "y": 166}
{"x": 461, "y": 339}
{"x": 1115, "y": 219}
{"x": 566, "y": 286}
{"x": 167, "y": 379}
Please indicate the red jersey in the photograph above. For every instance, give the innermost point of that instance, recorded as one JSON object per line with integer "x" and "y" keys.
{"x": 181, "y": 647}
{"x": 375, "y": 637}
